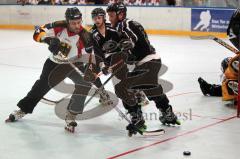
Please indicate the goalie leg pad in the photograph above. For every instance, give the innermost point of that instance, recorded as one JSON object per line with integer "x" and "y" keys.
{"x": 229, "y": 89}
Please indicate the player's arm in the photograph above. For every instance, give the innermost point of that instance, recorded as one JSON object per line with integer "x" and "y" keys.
{"x": 99, "y": 55}
{"x": 87, "y": 39}
{"x": 47, "y": 34}
{"x": 47, "y": 30}
{"x": 131, "y": 31}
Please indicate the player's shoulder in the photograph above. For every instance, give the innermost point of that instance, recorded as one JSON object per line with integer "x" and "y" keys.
{"x": 110, "y": 28}
{"x": 57, "y": 26}
{"x": 131, "y": 22}
{"x": 93, "y": 29}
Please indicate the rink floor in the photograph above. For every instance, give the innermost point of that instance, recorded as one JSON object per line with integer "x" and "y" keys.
{"x": 210, "y": 129}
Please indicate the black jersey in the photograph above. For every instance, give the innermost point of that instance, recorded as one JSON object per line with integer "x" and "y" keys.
{"x": 99, "y": 40}
{"x": 134, "y": 31}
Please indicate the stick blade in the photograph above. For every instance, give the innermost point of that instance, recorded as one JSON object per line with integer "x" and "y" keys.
{"x": 157, "y": 132}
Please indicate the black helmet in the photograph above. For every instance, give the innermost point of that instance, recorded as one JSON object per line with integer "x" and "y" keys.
{"x": 73, "y": 13}
{"x": 98, "y": 12}
{"x": 117, "y": 7}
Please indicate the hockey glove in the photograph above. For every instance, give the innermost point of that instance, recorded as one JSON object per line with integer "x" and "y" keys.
{"x": 126, "y": 45}
{"x": 56, "y": 46}
{"x": 106, "y": 70}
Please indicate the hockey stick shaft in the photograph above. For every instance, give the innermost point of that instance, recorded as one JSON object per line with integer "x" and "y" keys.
{"x": 109, "y": 78}
{"x": 218, "y": 40}
{"x": 226, "y": 45}
{"x": 115, "y": 107}
{"x": 53, "y": 102}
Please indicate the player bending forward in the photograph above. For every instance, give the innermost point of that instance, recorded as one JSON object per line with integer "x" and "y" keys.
{"x": 144, "y": 77}
{"x": 68, "y": 41}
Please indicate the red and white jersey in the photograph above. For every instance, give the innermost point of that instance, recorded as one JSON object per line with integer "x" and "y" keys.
{"x": 64, "y": 35}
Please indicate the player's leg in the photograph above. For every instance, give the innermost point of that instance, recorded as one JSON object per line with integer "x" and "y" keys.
{"x": 38, "y": 90}
{"x": 148, "y": 82}
{"x": 76, "y": 104}
{"x": 52, "y": 74}
{"x": 90, "y": 73}
{"x": 210, "y": 89}
{"x": 137, "y": 120}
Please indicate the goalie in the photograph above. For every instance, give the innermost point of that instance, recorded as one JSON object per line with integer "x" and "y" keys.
{"x": 229, "y": 88}
{"x": 230, "y": 67}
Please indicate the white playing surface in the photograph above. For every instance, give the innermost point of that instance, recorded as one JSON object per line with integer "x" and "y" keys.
{"x": 209, "y": 128}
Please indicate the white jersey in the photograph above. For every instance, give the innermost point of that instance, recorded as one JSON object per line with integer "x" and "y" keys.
{"x": 77, "y": 48}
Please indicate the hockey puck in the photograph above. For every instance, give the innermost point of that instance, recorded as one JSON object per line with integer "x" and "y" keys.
{"x": 186, "y": 153}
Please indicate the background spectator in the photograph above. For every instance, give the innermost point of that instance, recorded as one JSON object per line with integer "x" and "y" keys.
{"x": 81, "y": 1}
{"x": 171, "y": 2}
{"x": 45, "y": 2}
{"x": 191, "y": 3}
{"x": 99, "y": 2}
{"x": 33, "y": 1}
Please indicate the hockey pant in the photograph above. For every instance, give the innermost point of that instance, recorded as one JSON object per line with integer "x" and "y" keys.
{"x": 52, "y": 74}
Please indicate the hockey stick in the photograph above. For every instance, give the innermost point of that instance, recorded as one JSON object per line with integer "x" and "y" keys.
{"x": 109, "y": 78}
{"x": 216, "y": 39}
{"x": 53, "y": 102}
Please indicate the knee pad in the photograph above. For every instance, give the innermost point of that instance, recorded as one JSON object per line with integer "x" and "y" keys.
{"x": 229, "y": 89}
{"x": 231, "y": 71}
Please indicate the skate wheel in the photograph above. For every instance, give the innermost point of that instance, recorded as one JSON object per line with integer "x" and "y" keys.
{"x": 164, "y": 123}
{"x": 178, "y": 122}
{"x": 71, "y": 130}
{"x": 8, "y": 121}
{"x": 130, "y": 134}
{"x": 11, "y": 118}
{"x": 73, "y": 124}
{"x": 186, "y": 153}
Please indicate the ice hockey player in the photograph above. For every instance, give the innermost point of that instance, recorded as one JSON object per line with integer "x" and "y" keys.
{"x": 103, "y": 34}
{"x": 68, "y": 42}
{"x": 228, "y": 90}
{"x": 143, "y": 57}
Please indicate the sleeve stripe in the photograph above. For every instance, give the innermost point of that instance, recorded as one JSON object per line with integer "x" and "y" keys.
{"x": 131, "y": 33}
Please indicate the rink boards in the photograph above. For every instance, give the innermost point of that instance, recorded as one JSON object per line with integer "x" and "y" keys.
{"x": 156, "y": 20}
